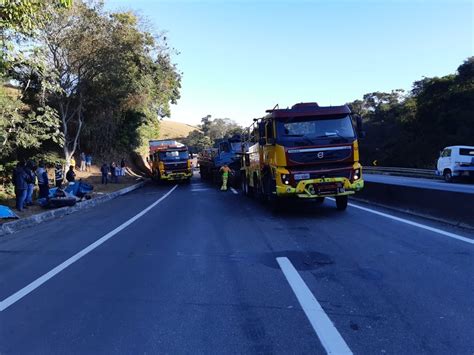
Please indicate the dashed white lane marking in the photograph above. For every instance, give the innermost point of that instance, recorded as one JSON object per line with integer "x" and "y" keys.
{"x": 7, "y": 302}
{"x": 197, "y": 190}
{"x": 415, "y": 224}
{"x": 327, "y": 333}
{"x": 234, "y": 191}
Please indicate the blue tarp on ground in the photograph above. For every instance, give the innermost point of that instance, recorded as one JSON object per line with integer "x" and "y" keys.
{"x": 6, "y": 212}
{"x": 78, "y": 189}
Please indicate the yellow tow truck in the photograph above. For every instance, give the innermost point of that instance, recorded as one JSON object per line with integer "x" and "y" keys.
{"x": 306, "y": 151}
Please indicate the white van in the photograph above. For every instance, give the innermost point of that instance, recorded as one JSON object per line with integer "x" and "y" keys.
{"x": 456, "y": 161}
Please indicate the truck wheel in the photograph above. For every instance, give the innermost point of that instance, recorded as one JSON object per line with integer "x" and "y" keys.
{"x": 268, "y": 188}
{"x": 256, "y": 190}
{"x": 448, "y": 176}
{"x": 244, "y": 187}
{"x": 341, "y": 202}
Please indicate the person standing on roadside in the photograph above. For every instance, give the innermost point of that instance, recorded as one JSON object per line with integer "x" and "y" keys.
{"x": 122, "y": 167}
{"x": 30, "y": 169}
{"x": 105, "y": 173}
{"x": 58, "y": 174}
{"x": 20, "y": 180}
{"x": 83, "y": 162}
{"x": 88, "y": 162}
{"x": 43, "y": 182}
{"x": 113, "y": 172}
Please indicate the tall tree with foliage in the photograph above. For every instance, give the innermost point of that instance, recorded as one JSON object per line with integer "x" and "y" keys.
{"x": 410, "y": 129}
{"x": 103, "y": 71}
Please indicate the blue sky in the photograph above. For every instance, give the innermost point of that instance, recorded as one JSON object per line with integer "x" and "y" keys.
{"x": 242, "y": 57}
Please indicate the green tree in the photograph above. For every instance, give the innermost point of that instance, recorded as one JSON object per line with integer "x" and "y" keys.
{"x": 20, "y": 127}
{"x": 102, "y": 71}
{"x": 197, "y": 141}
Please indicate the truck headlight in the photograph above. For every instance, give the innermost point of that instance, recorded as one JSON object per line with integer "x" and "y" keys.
{"x": 285, "y": 178}
{"x": 356, "y": 174}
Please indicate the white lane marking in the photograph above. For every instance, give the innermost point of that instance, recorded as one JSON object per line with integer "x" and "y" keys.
{"x": 415, "y": 224}
{"x": 234, "y": 191}
{"x": 327, "y": 333}
{"x": 196, "y": 190}
{"x": 7, "y": 302}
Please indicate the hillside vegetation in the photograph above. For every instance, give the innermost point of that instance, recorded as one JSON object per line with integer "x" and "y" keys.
{"x": 88, "y": 80}
{"x": 409, "y": 129}
{"x": 172, "y": 129}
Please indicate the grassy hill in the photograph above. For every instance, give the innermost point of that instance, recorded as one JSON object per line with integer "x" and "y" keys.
{"x": 172, "y": 129}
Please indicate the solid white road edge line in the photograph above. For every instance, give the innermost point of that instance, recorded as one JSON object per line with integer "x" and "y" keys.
{"x": 234, "y": 191}
{"x": 327, "y": 333}
{"x": 415, "y": 224}
{"x": 7, "y": 302}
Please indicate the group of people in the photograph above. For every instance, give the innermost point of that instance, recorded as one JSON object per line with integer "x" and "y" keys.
{"x": 25, "y": 176}
{"x": 86, "y": 162}
{"x": 114, "y": 170}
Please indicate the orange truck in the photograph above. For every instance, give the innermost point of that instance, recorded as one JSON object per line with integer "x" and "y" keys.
{"x": 170, "y": 161}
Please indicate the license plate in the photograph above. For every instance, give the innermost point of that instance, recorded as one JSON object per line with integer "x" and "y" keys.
{"x": 326, "y": 189}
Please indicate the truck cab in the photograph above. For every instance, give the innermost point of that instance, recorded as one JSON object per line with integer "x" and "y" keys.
{"x": 306, "y": 152}
{"x": 226, "y": 151}
{"x": 170, "y": 161}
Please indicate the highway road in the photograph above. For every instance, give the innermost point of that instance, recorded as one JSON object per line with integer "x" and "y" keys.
{"x": 421, "y": 183}
{"x": 191, "y": 269}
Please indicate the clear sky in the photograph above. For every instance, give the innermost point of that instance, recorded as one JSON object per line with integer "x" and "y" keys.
{"x": 239, "y": 58}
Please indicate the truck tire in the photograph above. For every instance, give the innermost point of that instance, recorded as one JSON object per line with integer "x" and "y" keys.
{"x": 268, "y": 187}
{"x": 341, "y": 202}
{"x": 244, "y": 187}
{"x": 256, "y": 190}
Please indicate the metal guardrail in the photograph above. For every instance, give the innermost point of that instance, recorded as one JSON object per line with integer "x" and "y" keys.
{"x": 411, "y": 172}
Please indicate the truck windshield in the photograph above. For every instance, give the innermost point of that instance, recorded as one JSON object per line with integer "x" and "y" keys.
{"x": 315, "y": 130}
{"x": 174, "y": 155}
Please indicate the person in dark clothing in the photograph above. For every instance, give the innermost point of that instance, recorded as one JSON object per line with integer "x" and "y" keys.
{"x": 43, "y": 182}
{"x": 105, "y": 173}
{"x": 71, "y": 175}
{"x": 30, "y": 169}
{"x": 20, "y": 180}
{"x": 113, "y": 173}
{"x": 58, "y": 174}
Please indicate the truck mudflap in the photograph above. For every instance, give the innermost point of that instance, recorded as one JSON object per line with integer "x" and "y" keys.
{"x": 316, "y": 188}
{"x": 176, "y": 176}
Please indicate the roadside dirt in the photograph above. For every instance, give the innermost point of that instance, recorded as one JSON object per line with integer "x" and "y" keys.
{"x": 92, "y": 177}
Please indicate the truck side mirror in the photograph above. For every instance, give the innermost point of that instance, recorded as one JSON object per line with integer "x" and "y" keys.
{"x": 360, "y": 128}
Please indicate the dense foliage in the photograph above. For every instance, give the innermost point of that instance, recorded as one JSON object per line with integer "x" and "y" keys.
{"x": 211, "y": 130}
{"x": 87, "y": 79}
{"x": 409, "y": 129}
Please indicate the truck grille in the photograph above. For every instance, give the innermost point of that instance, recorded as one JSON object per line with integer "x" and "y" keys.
{"x": 176, "y": 166}
{"x": 315, "y": 155}
{"x": 329, "y": 174}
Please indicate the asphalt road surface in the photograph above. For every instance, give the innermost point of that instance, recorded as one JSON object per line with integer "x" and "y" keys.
{"x": 199, "y": 271}
{"x": 421, "y": 183}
